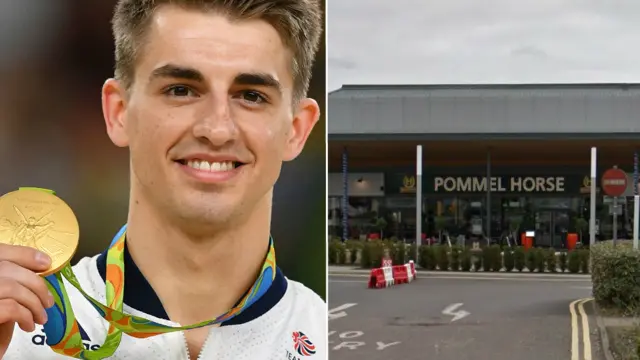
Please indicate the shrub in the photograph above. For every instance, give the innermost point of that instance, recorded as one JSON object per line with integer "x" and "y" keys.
{"x": 427, "y": 257}
{"x": 530, "y": 260}
{"x": 615, "y": 273}
{"x": 336, "y": 251}
{"x": 519, "y": 258}
{"x": 551, "y": 260}
{"x": 477, "y": 259}
{"x": 508, "y": 259}
{"x": 372, "y": 254}
{"x": 442, "y": 257}
{"x": 573, "y": 261}
{"x": 354, "y": 246}
{"x": 400, "y": 255}
{"x": 392, "y": 248}
{"x": 584, "y": 260}
{"x": 562, "y": 261}
{"x": 411, "y": 253}
{"x": 496, "y": 258}
{"x": 487, "y": 261}
{"x": 455, "y": 258}
{"x": 465, "y": 260}
{"x": 540, "y": 259}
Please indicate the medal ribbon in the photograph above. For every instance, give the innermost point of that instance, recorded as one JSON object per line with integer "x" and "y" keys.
{"x": 63, "y": 332}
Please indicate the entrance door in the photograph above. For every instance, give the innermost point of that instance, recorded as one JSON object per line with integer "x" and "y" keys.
{"x": 551, "y": 228}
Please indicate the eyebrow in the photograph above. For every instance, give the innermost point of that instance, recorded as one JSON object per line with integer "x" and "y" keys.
{"x": 176, "y": 72}
{"x": 187, "y": 73}
{"x": 258, "y": 79}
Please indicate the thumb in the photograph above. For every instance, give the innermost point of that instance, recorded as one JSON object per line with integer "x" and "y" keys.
{"x": 6, "y": 332}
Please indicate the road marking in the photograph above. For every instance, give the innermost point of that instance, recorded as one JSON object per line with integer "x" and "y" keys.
{"x": 351, "y": 334}
{"x": 575, "y": 330}
{"x": 347, "y": 281}
{"x": 334, "y": 314}
{"x": 352, "y": 344}
{"x": 382, "y": 346}
{"x": 510, "y": 278}
{"x": 586, "y": 338}
{"x": 575, "y": 355}
{"x": 457, "y": 315}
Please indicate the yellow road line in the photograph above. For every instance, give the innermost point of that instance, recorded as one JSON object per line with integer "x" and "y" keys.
{"x": 586, "y": 338}
{"x": 575, "y": 354}
{"x": 576, "y": 308}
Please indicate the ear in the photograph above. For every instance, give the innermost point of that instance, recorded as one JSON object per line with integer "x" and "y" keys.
{"x": 114, "y": 112}
{"x": 303, "y": 122}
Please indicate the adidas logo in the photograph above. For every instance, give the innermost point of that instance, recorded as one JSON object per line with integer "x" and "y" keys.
{"x": 41, "y": 339}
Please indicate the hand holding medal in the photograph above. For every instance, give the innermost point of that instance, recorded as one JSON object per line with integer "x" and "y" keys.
{"x": 33, "y": 220}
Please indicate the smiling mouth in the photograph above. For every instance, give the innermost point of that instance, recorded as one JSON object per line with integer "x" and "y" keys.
{"x": 216, "y": 166}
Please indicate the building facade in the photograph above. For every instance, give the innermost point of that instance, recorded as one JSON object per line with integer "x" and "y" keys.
{"x": 497, "y": 159}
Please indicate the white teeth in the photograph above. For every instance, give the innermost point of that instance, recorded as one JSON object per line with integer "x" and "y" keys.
{"x": 203, "y": 165}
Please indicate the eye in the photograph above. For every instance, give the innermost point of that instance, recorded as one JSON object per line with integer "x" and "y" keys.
{"x": 180, "y": 91}
{"x": 253, "y": 97}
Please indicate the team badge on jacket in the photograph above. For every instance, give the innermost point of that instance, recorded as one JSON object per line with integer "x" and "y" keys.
{"x": 302, "y": 344}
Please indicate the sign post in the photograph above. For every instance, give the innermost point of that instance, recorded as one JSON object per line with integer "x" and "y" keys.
{"x": 636, "y": 201}
{"x": 614, "y": 184}
{"x": 418, "y": 199}
{"x": 592, "y": 202}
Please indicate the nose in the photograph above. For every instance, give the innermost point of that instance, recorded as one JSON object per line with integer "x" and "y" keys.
{"x": 216, "y": 125}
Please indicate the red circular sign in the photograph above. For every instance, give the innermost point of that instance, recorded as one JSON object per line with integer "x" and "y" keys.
{"x": 614, "y": 182}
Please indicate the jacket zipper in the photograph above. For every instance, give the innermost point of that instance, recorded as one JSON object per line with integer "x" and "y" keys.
{"x": 186, "y": 346}
{"x": 204, "y": 346}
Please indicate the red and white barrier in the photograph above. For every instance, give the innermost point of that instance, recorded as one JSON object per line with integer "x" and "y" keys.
{"x": 412, "y": 269}
{"x": 391, "y": 275}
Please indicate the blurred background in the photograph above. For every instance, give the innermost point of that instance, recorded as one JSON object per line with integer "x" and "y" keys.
{"x": 55, "y": 57}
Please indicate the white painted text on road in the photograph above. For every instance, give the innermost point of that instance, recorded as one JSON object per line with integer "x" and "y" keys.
{"x": 452, "y": 310}
{"x": 352, "y": 344}
{"x": 339, "y": 312}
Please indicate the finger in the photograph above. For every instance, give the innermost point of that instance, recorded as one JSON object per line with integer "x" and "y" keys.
{"x": 12, "y": 312}
{"x": 26, "y": 257}
{"x": 11, "y": 289}
{"x": 29, "y": 280}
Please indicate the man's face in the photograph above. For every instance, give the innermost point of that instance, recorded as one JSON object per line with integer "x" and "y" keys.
{"x": 209, "y": 117}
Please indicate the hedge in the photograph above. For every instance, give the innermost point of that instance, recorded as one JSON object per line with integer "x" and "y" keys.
{"x": 616, "y": 276}
{"x": 459, "y": 258}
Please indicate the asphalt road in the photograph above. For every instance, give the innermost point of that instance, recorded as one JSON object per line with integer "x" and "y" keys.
{"x": 500, "y": 318}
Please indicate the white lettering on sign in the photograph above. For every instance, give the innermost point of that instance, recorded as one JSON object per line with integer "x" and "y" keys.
{"x": 615, "y": 182}
{"x": 353, "y": 345}
{"x": 524, "y": 184}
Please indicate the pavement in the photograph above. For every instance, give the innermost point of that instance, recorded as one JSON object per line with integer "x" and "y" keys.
{"x": 459, "y": 316}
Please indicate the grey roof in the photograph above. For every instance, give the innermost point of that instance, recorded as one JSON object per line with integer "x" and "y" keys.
{"x": 485, "y": 109}
{"x": 515, "y": 86}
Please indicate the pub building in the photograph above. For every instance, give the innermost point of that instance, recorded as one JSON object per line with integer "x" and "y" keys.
{"x": 496, "y": 159}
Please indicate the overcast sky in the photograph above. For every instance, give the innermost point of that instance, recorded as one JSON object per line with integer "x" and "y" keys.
{"x": 482, "y": 41}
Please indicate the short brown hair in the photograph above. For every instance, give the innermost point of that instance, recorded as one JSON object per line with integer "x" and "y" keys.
{"x": 298, "y": 22}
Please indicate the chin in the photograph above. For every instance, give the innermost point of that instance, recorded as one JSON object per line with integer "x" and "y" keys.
{"x": 205, "y": 215}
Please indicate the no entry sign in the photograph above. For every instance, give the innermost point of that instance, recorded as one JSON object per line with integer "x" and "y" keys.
{"x": 614, "y": 182}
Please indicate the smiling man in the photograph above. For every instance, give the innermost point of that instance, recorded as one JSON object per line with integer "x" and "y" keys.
{"x": 210, "y": 98}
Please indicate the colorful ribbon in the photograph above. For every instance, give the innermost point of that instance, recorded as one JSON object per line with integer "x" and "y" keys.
{"x": 63, "y": 332}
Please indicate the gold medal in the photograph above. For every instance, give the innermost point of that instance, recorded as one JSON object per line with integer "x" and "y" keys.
{"x": 40, "y": 220}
